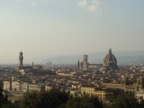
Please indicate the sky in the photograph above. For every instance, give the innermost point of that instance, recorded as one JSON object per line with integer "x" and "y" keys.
{"x": 48, "y": 28}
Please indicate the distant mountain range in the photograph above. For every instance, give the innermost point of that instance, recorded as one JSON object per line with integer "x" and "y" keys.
{"x": 123, "y": 57}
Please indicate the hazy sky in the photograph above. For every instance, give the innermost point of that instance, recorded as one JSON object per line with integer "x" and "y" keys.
{"x": 48, "y": 28}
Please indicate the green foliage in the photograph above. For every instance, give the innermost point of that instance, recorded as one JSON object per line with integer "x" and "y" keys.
{"x": 123, "y": 101}
{"x": 59, "y": 99}
{"x": 3, "y": 99}
{"x": 10, "y": 105}
{"x": 83, "y": 102}
{"x": 51, "y": 99}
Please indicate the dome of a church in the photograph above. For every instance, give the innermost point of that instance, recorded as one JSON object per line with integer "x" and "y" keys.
{"x": 110, "y": 60}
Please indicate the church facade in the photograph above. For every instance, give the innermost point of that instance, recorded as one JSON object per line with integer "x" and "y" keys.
{"x": 109, "y": 63}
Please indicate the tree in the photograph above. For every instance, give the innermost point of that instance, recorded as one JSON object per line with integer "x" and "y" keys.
{"x": 123, "y": 101}
{"x": 44, "y": 99}
{"x": 84, "y": 101}
{"x": 3, "y": 99}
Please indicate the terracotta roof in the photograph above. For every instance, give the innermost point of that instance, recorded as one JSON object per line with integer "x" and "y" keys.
{"x": 110, "y": 58}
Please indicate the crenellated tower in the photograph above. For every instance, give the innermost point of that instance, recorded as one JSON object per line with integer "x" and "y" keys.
{"x": 85, "y": 62}
{"x": 21, "y": 59}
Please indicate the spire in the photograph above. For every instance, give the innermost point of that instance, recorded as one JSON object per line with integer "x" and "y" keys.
{"x": 110, "y": 51}
{"x": 78, "y": 64}
{"x": 32, "y": 63}
{"x": 21, "y": 59}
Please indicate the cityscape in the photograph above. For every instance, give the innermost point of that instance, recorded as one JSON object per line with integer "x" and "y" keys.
{"x": 71, "y": 54}
{"x": 100, "y": 80}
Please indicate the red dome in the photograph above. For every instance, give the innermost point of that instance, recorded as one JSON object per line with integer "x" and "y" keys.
{"x": 110, "y": 59}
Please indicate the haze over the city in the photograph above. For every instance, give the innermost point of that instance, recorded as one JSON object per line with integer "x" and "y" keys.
{"x": 47, "y": 28}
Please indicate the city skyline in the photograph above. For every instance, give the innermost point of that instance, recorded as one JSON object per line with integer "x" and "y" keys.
{"x": 49, "y": 28}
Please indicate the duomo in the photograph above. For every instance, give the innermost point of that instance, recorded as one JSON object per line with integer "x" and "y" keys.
{"x": 109, "y": 63}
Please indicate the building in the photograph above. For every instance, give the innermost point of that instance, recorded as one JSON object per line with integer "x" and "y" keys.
{"x": 139, "y": 95}
{"x": 21, "y": 68}
{"x": 102, "y": 94}
{"x": 85, "y": 65}
{"x": 7, "y": 85}
{"x": 25, "y": 86}
{"x": 87, "y": 89}
{"x": 21, "y": 59}
{"x": 110, "y": 61}
{"x": 66, "y": 74}
{"x": 48, "y": 87}
{"x": 16, "y": 86}
{"x": 132, "y": 89}
{"x": 36, "y": 87}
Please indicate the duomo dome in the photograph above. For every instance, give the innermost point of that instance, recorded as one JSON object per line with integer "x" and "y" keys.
{"x": 110, "y": 60}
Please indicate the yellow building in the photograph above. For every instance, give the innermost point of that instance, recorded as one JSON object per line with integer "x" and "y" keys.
{"x": 64, "y": 74}
{"x": 87, "y": 89}
{"x": 36, "y": 87}
{"x": 48, "y": 87}
{"x": 6, "y": 85}
{"x": 138, "y": 85}
{"x": 114, "y": 86}
{"x": 25, "y": 86}
{"x": 102, "y": 94}
{"x": 16, "y": 86}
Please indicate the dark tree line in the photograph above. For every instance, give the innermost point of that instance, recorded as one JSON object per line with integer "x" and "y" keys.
{"x": 59, "y": 99}
{"x": 51, "y": 99}
{"x": 84, "y": 101}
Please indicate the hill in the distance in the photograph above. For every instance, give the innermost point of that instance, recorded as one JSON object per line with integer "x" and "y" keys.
{"x": 126, "y": 57}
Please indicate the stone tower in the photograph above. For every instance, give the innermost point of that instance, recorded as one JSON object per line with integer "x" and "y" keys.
{"x": 21, "y": 59}
{"x": 85, "y": 63}
{"x": 78, "y": 65}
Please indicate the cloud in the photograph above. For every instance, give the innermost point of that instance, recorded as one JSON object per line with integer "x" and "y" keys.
{"x": 18, "y": 0}
{"x": 90, "y": 5}
{"x": 82, "y": 3}
{"x": 94, "y": 6}
{"x": 33, "y": 3}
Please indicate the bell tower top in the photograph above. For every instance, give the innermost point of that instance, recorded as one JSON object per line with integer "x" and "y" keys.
{"x": 21, "y": 59}
{"x": 110, "y": 51}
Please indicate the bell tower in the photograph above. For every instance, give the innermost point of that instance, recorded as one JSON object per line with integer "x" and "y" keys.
{"x": 21, "y": 59}
{"x": 85, "y": 62}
